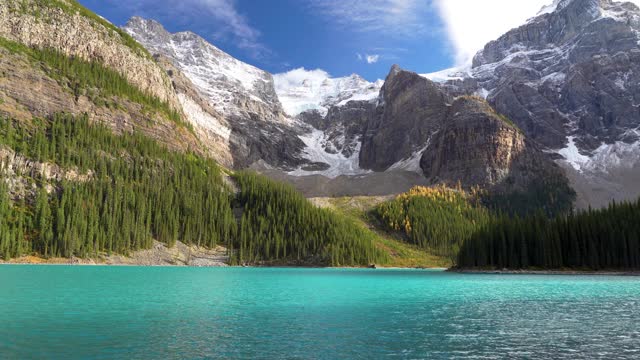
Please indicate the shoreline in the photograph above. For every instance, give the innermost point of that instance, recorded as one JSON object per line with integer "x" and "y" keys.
{"x": 548, "y": 272}
{"x": 92, "y": 262}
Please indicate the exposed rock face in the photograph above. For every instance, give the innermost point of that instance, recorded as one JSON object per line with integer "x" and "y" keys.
{"x": 28, "y": 90}
{"x": 412, "y": 108}
{"x": 344, "y": 127}
{"x": 19, "y": 173}
{"x": 232, "y": 87}
{"x": 212, "y": 129}
{"x": 571, "y": 72}
{"x": 478, "y": 147}
{"x": 233, "y": 105}
{"x": 43, "y": 24}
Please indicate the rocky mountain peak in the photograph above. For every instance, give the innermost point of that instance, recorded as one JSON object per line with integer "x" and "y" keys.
{"x": 146, "y": 27}
{"x": 395, "y": 69}
{"x": 232, "y": 87}
{"x": 569, "y": 79}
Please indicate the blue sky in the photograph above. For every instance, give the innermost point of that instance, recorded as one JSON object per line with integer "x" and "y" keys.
{"x": 339, "y": 36}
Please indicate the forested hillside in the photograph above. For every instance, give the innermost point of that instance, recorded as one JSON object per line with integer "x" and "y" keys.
{"x": 279, "y": 224}
{"x": 437, "y": 219}
{"x": 594, "y": 240}
{"x": 136, "y": 190}
{"x": 132, "y": 190}
{"x": 454, "y": 223}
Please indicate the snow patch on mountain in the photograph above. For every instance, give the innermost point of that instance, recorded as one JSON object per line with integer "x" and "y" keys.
{"x": 230, "y": 85}
{"x": 572, "y": 154}
{"x": 605, "y": 158}
{"x": 300, "y": 90}
{"x": 412, "y": 163}
{"x": 199, "y": 117}
{"x": 548, "y": 9}
{"x": 454, "y": 73}
{"x": 339, "y": 164}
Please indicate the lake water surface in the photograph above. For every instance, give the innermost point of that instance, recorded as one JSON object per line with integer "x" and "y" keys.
{"x": 84, "y": 312}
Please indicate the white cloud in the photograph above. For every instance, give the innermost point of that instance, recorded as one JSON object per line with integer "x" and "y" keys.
{"x": 470, "y": 24}
{"x": 372, "y": 59}
{"x": 392, "y": 17}
{"x": 359, "y": 56}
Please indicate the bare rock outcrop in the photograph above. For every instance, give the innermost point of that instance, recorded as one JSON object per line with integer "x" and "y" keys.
{"x": 68, "y": 28}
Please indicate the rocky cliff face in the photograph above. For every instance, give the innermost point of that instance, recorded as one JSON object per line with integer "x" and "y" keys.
{"x": 67, "y": 27}
{"x": 478, "y": 147}
{"x": 211, "y": 127}
{"x": 19, "y": 173}
{"x": 569, "y": 78}
{"x": 572, "y": 72}
{"x": 233, "y": 105}
{"x": 28, "y": 89}
{"x": 233, "y": 88}
{"x": 410, "y": 110}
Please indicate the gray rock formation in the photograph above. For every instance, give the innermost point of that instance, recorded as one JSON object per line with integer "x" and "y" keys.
{"x": 572, "y": 72}
{"x": 232, "y": 105}
{"x": 46, "y": 25}
{"x": 411, "y": 109}
{"x": 232, "y": 87}
{"x": 479, "y": 147}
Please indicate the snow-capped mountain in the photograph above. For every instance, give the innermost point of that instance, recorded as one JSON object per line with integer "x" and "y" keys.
{"x": 233, "y": 105}
{"x": 570, "y": 78}
{"x": 232, "y": 87}
{"x": 301, "y": 90}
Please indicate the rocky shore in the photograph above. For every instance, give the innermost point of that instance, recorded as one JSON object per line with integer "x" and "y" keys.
{"x": 158, "y": 255}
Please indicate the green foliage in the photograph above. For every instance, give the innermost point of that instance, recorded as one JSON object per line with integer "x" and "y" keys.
{"x": 131, "y": 190}
{"x": 137, "y": 191}
{"x": 436, "y": 219}
{"x": 600, "y": 239}
{"x": 548, "y": 193}
{"x": 12, "y": 226}
{"x": 281, "y": 226}
{"x": 362, "y": 210}
{"x": 92, "y": 78}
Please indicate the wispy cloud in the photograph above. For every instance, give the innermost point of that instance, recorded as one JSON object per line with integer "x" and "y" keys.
{"x": 372, "y": 59}
{"x": 235, "y": 25}
{"x": 391, "y": 17}
{"x": 223, "y": 20}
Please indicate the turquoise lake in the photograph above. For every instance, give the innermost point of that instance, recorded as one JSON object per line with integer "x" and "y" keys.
{"x": 78, "y": 312}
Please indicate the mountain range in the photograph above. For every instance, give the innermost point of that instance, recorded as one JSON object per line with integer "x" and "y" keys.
{"x": 549, "y": 107}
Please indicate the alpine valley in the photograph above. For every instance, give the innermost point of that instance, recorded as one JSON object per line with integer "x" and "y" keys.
{"x": 115, "y": 141}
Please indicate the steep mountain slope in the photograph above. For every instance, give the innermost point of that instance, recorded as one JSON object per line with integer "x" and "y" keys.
{"x": 335, "y": 109}
{"x": 66, "y": 26}
{"x": 569, "y": 78}
{"x": 59, "y": 57}
{"x": 233, "y": 103}
{"x": 416, "y": 126}
{"x": 234, "y": 88}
